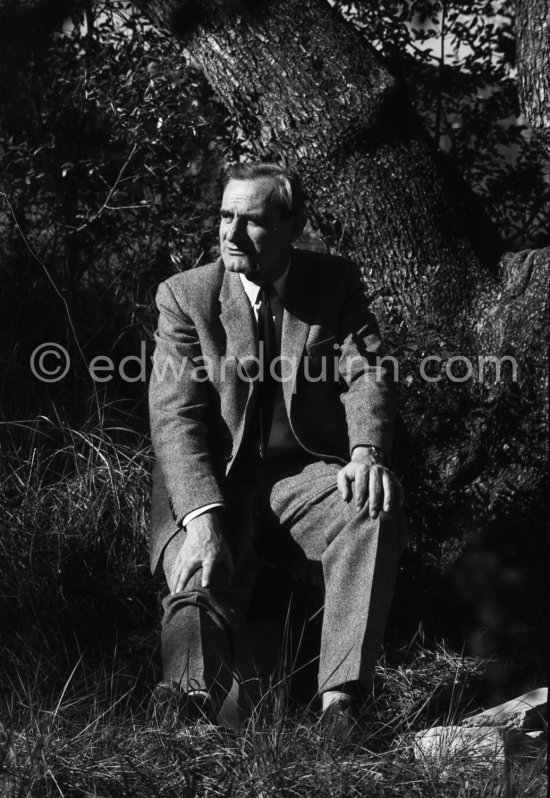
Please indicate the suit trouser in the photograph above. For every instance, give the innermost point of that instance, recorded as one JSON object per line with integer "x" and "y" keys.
{"x": 359, "y": 560}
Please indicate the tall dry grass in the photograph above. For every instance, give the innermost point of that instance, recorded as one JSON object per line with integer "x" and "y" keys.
{"x": 79, "y": 655}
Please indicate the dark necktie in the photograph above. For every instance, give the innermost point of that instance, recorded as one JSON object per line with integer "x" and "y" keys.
{"x": 267, "y": 352}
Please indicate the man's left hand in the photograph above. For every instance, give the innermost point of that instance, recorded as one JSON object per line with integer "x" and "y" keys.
{"x": 375, "y": 485}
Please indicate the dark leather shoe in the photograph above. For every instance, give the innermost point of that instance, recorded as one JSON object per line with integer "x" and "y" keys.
{"x": 170, "y": 704}
{"x": 338, "y": 722}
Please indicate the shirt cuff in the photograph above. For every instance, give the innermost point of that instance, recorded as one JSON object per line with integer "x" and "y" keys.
{"x": 199, "y": 511}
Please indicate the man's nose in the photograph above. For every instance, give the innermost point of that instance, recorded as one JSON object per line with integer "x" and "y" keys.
{"x": 236, "y": 229}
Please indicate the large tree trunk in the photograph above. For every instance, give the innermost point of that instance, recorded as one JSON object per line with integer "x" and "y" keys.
{"x": 308, "y": 89}
{"x": 533, "y": 64}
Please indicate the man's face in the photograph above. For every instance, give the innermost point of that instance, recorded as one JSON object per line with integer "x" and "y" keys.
{"x": 255, "y": 235}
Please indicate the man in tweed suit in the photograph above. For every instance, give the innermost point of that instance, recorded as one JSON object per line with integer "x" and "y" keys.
{"x": 272, "y": 414}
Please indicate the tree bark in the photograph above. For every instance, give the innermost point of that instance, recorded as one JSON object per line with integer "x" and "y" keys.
{"x": 533, "y": 64}
{"x": 307, "y": 88}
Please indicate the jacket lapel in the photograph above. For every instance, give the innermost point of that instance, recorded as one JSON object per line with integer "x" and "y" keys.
{"x": 295, "y": 327}
{"x": 237, "y": 319}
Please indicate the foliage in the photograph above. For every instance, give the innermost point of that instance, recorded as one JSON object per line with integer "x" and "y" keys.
{"x": 111, "y": 139}
{"x": 469, "y": 451}
{"x": 110, "y": 157}
{"x": 458, "y": 61}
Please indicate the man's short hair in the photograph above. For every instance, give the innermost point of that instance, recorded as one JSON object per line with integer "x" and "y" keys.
{"x": 289, "y": 187}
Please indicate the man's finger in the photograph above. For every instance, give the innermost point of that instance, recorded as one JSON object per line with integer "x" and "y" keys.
{"x": 361, "y": 487}
{"x": 207, "y": 568}
{"x": 184, "y": 575}
{"x": 343, "y": 482}
{"x": 174, "y": 576}
{"x": 389, "y": 491}
{"x": 374, "y": 492}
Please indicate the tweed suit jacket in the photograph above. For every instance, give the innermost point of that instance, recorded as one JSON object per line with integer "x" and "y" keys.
{"x": 337, "y": 393}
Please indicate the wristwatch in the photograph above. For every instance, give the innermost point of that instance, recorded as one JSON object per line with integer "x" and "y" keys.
{"x": 376, "y": 452}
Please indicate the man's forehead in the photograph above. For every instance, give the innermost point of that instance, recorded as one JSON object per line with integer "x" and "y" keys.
{"x": 255, "y": 194}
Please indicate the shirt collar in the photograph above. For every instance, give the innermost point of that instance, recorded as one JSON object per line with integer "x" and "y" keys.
{"x": 253, "y": 290}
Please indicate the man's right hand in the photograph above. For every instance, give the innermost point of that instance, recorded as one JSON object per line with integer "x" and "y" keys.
{"x": 205, "y": 548}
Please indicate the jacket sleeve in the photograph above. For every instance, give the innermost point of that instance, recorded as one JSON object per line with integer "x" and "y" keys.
{"x": 369, "y": 394}
{"x": 178, "y": 406}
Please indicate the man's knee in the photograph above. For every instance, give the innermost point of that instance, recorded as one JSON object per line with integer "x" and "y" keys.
{"x": 356, "y": 529}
